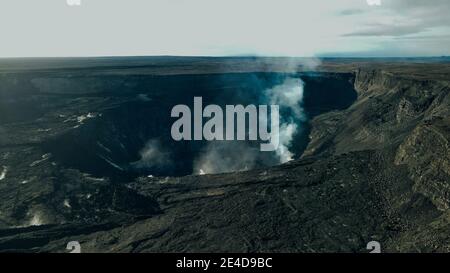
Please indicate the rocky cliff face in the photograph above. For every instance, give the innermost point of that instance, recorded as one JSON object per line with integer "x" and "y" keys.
{"x": 388, "y": 109}
{"x": 406, "y": 119}
{"x": 403, "y": 116}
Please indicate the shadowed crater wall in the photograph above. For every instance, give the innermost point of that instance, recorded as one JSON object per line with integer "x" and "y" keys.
{"x": 127, "y": 133}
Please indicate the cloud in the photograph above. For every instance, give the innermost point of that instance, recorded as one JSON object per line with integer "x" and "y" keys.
{"x": 424, "y": 37}
{"x": 348, "y": 12}
{"x": 388, "y": 30}
{"x": 405, "y": 17}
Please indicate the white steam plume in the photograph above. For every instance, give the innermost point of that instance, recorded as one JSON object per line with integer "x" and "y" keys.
{"x": 221, "y": 157}
{"x": 3, "y": 172}
{"x": 288, "y": 96}
{"x": 153, "y": 156}
{"x": 229, "y": 156}
{"x": 289, "y": 65}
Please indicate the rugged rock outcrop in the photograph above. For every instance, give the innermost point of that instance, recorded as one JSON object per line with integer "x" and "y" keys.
{"x": 407, "y": 119}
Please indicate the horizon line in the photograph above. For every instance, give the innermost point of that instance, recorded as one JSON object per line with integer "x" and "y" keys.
{"x": 223, "y": 56}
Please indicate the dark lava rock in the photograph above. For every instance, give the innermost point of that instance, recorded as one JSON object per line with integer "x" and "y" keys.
{"x": 377, "y": 170}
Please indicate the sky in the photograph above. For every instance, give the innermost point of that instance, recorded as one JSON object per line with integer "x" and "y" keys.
{"x": 304, "y": 28}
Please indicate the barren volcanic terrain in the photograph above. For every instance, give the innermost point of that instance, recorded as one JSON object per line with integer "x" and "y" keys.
{"x": 371, "y": 163}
